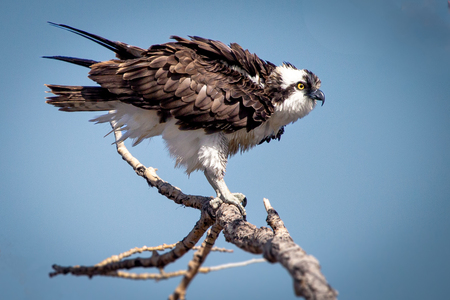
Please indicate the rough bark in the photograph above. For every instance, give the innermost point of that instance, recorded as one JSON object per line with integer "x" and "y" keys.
{"x": 274, "y": 243}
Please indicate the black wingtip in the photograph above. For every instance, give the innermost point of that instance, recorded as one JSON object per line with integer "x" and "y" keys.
{"x": 73, "y": 60}
{"x": 62, "y": 26}
{"x": 122, "y": 50}
{"x": 95, "y": 38}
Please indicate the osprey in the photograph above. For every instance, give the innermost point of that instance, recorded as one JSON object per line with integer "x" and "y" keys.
{"x": 206, "y": 99}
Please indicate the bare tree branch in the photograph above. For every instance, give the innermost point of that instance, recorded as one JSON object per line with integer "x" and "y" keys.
{"x": 119, "y": 257}
{"x": 149, "y": 174}
{"x": 309, "y": 282}
{"x": 156, "y": 260}
{"x": 275, "y": 244}
{"x": 196, "y": 262}
{"x": 232, "y": 265}
{"x": 166, "y": 275}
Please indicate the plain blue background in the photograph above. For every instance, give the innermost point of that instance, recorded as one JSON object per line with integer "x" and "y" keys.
{"x": 362, "y": 183}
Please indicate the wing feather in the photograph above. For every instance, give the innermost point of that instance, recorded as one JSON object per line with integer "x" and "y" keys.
{"x": 184, "y": 88}
{"x": 190, "y": 98}
{"x": 139, "y": 73}
{"x": 158, "y": 62}
{"x": 162, "y": 80}
{"x": 192, "y": 81}
{"x": 172, "y": 84}
{"x": 183, "y": 111}
{"x": 190, "y": 68}
{"x": 144, "y": 88}
{"x": 217, "y": 103}
{"x": 129, "y": 67}
{"x": 172, "y": 104}
{"x": 179, "y": 68}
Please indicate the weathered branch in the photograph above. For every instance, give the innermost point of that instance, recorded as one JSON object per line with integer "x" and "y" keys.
{"x": 196, "y": 262}
{"x": 149, "y": 174}
{"x": 275, "y": 244}
{"x": 156, "y": 260}
{"x": 309, "y": 282}
{"x": 166, "y": 275}
{"x": 116, "y": 258}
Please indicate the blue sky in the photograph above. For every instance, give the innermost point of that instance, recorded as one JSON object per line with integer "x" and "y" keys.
{"x": 361, "y": 183}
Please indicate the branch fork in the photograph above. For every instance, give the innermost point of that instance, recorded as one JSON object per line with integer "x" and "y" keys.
{"x": 275, "y": 244}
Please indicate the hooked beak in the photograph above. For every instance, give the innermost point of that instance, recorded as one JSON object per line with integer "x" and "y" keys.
{"x": 317, "y": 95}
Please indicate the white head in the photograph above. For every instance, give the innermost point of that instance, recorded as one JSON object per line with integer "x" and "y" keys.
{"x": 294, "y": 93}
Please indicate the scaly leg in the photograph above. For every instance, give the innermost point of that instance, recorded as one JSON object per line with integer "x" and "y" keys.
{"x": 224, "y": 194}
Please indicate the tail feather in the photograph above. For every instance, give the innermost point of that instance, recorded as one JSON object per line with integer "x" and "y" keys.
{"x": 89, "y": 98}
{"x": 81, "y": 98}
{"x": 122, "y": 50}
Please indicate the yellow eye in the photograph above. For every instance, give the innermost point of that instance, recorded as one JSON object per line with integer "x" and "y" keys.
{"x": 300, "y": 86}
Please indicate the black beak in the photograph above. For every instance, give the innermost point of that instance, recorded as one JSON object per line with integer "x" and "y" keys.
{"x": 317, "y": 95}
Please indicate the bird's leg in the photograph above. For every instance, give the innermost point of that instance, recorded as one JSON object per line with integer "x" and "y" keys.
{"x": 224, "y": 194}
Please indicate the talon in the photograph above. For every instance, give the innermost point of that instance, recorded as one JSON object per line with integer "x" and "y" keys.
{"x": 223, "y": 193}
{"x": 241, "y": 198}
{"x": 242, "y": 210}
{"x": 238, "y": 200}
{"x": 215, "y": 203}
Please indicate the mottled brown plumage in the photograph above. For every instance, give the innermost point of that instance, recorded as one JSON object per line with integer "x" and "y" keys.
{"x": 202, "y": 83}
{"x": 206, "y": 99}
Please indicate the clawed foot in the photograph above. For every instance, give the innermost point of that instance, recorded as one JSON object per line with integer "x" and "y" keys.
{"x": 236, "y": 199}
{"x": 223, "y": 193}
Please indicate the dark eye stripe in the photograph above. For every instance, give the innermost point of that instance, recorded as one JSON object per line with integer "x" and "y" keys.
{"x": 312, "y": 80}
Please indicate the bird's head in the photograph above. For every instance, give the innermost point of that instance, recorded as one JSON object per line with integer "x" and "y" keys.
{"x": 294, "y": 92}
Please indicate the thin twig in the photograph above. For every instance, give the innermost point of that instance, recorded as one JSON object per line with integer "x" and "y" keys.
{"x": 167, "y": 275}
{"x": 196, "y": 262}
{"x": 232, "y": 265}
{"x": 119, "y": 257}
{"x": 156, "y": 260}
{"x": 215, "y": 249}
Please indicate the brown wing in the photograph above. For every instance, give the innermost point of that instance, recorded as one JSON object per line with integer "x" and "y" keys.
{"x": 196, "y": 88}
